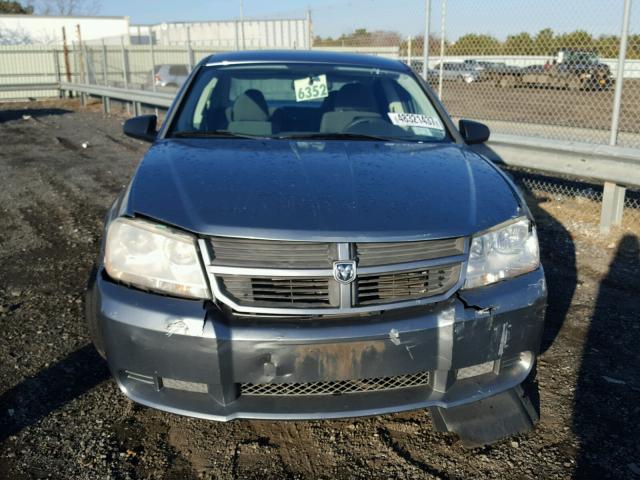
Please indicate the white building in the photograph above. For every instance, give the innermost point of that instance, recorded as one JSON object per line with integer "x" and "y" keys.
{"x": 293, "y": 33}
{"x": 45, "y": 29}
{"x": 229, "y": 34}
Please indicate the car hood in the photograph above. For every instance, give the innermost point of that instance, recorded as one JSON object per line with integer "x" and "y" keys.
{"x": 320, "y": 190}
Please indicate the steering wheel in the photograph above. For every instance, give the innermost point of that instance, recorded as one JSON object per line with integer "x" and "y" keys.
{"x": 374, "y": 126}
{"x": 362, "y": 121}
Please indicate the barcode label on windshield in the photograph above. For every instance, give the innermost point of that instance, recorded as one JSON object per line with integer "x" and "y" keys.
{"x": 415, "y": 120}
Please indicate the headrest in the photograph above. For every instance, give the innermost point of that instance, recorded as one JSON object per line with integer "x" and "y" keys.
{"x": 250, "y": 106}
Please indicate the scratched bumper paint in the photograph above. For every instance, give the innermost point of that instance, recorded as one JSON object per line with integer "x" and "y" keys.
{"x": 148, "y": 338}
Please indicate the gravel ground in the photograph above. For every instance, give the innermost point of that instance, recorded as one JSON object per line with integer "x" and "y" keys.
{"x": 61, "y": 416}
{"x": 543, "y": 106}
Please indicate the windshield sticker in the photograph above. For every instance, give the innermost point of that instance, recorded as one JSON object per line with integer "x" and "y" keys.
{"x": 311, "y": 88}
{"x": 415, "y": 120}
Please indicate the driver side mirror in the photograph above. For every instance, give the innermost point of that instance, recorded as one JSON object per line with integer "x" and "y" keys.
{"x": 142, "y": 127}
{"x": 473, "y": 132}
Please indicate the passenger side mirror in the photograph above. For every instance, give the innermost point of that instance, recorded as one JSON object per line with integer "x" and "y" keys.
{"x": 142, "y": 127}
{"x": 473, "y": 132}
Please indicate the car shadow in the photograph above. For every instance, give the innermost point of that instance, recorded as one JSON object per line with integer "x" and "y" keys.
{"x": 606, "y": 411}
{"x": 36, "y": 397}
{"x": 557, "y": 250}
{"x": 17, "y": 114}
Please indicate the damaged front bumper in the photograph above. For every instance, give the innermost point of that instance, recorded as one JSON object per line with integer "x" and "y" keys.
{"x": 187, "y": 357}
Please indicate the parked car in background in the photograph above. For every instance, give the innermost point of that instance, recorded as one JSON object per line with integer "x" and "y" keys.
{"x": 170, "y": 75}
{"x": 475, "y": 64}
{"x": 309, "y": 237}
{"x": 499, "y": 73}
{"x": 432, "y": 74}
{"x": 458, "y": 71}
{"x": 571, "y": 69}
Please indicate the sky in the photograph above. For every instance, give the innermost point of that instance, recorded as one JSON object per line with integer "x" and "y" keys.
{"x": 333, "y": 17}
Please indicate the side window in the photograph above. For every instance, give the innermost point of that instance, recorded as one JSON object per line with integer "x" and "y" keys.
{"x": 195, "y": 106}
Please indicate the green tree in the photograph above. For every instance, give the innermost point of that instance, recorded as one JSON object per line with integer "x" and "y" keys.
{"x": 544, "y": 42}
{"x": 608, "y": 46}
{"x": 578, "y": 39}
{"x": 417, "y": 46}
{"x": 474, "y": 44}
{"x": 520, "y": 44}
{"x": 361, "y": 37}
{"x": 633, "y": 48}
{"x": 13, "y": 7}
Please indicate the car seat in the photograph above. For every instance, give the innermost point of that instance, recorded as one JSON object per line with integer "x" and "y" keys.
{"x": 250, "y": 114}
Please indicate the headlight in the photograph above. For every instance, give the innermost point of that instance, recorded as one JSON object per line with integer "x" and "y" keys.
{"x": 504, "y": 252}
{"x": 154, "y": 257}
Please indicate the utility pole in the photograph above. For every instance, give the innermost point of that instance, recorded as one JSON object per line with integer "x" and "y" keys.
{"x": 443, "y": 16}
{"x": 425, "y": 46}
{"x": 242, "y": 22}
{"x": 613, "y": 195}
{"x": 617, "y": 97}
{"x": 83, "y": 73}
{"x": 309, "y": 32}
{"x": 65, "y": 49}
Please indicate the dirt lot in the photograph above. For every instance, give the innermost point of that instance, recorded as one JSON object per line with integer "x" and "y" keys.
{"x": 61, "y": 416}
{"x": 546, "y": 108}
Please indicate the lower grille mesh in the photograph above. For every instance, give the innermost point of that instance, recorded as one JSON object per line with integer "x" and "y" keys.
{"x": 338, "y": 387}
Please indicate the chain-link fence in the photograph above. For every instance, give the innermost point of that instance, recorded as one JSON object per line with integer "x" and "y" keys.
{"x": 576, "y": 203}
{"x": 541, "y": 82}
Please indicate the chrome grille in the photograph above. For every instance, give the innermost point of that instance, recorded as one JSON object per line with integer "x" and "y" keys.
{"x": 402, "y": 252}
{"x": 338, "y": 387}
{"x": 279, "y": 291}
{"x": 297, "y": 278}
{"x": 402, "y": 286}
{"x": 242, "y": 252}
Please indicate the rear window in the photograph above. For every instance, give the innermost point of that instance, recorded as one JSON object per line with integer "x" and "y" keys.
{"x": 178, "y": 70}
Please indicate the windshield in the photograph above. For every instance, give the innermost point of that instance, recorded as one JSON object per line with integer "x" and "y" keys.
{"x": 579, "y": 57}
{"x": 307, "y": 101}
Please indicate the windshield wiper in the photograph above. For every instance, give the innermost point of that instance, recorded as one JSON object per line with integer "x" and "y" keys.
{"x": 334, "y": 136}
{"x": 214, "y": 134}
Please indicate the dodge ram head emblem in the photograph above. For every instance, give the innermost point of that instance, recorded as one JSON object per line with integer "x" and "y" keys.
{"x": 344, "y": 271}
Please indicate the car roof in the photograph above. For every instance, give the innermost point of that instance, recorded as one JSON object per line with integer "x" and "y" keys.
{"x": 306, "y": 56}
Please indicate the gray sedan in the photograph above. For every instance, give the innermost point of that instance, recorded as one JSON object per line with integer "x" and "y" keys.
{"x": 458, "y": 71}
{"x": 310, "y": 236}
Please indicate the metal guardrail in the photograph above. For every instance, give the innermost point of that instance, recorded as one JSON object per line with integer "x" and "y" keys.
{"x": 135, "y": 97}
{"x": 618, "y": 167}
{"x": 25, "y": 87}
{"x": 615, "y": 164}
